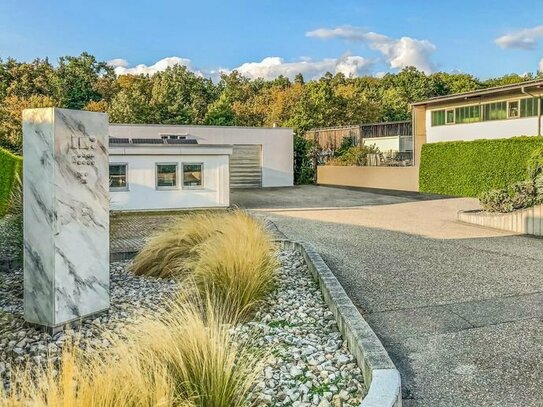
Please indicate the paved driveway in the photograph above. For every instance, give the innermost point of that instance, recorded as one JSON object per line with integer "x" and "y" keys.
{"x": 458, "y": 307}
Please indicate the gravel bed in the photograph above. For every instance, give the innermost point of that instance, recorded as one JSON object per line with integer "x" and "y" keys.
{"x": 131, "y": 297}
{"x": 311, "y": 365}
{"x": 8, "y": 237}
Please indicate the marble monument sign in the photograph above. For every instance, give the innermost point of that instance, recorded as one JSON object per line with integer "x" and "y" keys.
{"x": 66, "y": 215}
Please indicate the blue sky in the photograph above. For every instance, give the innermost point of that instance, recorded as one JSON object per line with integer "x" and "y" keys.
{"x": 265, "y": 38}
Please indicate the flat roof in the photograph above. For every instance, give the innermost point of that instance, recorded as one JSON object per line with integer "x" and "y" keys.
{"x": 537, "y": 84}
{"x": 198, "y": 125}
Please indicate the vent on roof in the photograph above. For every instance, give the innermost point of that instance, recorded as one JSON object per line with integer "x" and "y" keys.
{"x": 118, "y": 140}
{"x": 147, "y": 141}
{"x": 181, "y": 141}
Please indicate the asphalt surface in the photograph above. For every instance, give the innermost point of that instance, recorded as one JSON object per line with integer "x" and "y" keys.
{"x": 458, "y": 307}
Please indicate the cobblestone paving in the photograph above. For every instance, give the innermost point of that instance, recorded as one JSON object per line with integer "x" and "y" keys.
{"x": 129, "y": 232}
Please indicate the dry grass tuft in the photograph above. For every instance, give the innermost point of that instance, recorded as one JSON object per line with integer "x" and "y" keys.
{"x": 230, "y": 255}
{"x": 166, "y": 253}
{"x": 186, "y": 359}
{"x": 237, "y": 268}
{"x": 207, "y": 365}
{"x": 94, "y": 381}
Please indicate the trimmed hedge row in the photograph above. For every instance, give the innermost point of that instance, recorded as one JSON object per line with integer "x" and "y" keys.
{"x": 10, "y": 164}
{"x": 468, "y": 168}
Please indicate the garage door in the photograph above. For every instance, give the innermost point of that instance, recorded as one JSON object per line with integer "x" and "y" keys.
{"x": 246, "y": 166}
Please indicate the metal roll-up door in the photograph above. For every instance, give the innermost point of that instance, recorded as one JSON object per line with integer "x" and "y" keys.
{"x": 246, "y": 166}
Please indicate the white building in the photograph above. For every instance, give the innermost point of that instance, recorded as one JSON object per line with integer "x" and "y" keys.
{"x": 261, "y": 157}
{"x": 499, "y": 112}
{"x": 155, "y": 167}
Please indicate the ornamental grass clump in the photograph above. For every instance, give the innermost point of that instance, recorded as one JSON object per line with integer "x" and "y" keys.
{"x": 228, "y": 254}
{"x": 126, "y": 379}
{"x": 167, "y": 252}
{"x": 185, "y": 358}
{"x": 237, "y": 267}
{"x": 206, "y": 364}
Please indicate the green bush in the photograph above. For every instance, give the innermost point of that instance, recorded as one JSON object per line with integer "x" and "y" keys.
{"x": 520, "y": 195}
{"x": 354, "y": 156}
{"x": 469, "y": 168}
{"x": 10, "y": 166}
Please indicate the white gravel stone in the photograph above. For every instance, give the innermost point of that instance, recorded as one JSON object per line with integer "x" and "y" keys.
{"x": 311, "y": 365}
{"x": 131, "y": 296}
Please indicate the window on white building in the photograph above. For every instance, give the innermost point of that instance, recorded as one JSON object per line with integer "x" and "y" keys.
{"x": 166, "y": 176}
{"x": 118, "y": 177}
{"x": 193, "y": 175}
{"x": 513, "y": 110}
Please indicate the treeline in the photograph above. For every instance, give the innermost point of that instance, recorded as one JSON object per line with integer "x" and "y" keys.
{"x": 178, "y": 96}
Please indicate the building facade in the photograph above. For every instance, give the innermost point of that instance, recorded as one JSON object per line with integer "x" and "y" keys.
{"x": 261, "y": 157}
{"x": 146, "y": 176}
{"x": 500, "y": 112}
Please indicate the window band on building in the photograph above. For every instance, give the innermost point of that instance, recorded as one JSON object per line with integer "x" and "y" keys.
{"x": 500, "y": 110}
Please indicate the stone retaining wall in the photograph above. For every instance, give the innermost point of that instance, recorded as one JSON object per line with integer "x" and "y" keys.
{"x": 527, "y": 221}
{"x": 380, "y": 375}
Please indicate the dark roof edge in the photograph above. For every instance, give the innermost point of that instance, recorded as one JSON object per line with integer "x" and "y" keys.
{"x": 534, "y": 83}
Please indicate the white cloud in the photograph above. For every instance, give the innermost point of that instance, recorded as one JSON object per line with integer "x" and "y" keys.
{"x": 121, "y": 66}
{"x": 118, "y": 62}
{"x": 524, "y": 39}
{"x": 541, "y": 65}
{"x": 268, "y": 68}
{"x": 272, "y": 67}
{"x": 397, "y": 53}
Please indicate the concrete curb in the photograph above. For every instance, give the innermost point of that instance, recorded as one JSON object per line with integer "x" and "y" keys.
{"x": 380, "y": 375}
{"x": 527, "y": 221}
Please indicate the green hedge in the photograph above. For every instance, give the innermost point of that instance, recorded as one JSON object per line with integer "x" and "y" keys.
{"x": 10, "y": 164}
{"x": 468, "y": 168}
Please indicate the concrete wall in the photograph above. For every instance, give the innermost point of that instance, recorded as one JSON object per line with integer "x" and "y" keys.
{"x": 419, "y": 131}
{"x": 398, "y": 178}
{"x": 527, "y": 221}
{"x": 142, "y": 193}
{"x": 480, "y": 130}
{"x": 277, "y": 144}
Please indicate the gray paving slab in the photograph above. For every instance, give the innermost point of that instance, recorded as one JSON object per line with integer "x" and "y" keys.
{"x": 458, "y": 307}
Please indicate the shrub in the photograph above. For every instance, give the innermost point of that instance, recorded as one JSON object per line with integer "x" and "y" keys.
{"x": 10, "y": 166}
{"x": 517, "y": 196}
{"x": 354, "y": 156}
{"x": 15, "y": 219}
{"x": 469, "y": 168}
{"x": 535, "y": 163}
{"x": 305, "y": 152}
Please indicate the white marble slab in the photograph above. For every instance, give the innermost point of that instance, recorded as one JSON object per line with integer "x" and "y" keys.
{"x": 66, "y": 215}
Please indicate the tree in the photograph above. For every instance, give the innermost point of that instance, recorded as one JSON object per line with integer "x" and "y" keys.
{"x": 11, "y": 110}
{"x": 25, "y": 80}
{"x": 133, "y": 102}
{"x": 180, "y": 96}
{"x": 81, "y": 80}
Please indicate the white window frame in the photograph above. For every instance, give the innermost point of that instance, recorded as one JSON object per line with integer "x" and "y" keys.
{"x": 120, "y": 189}
{"x": 517, "y": 101}
{"x": 167, "y": 188}
{"x": 453, "y": 110}
{"x": 201, "y": 186}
